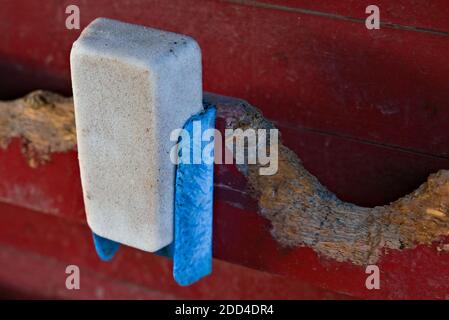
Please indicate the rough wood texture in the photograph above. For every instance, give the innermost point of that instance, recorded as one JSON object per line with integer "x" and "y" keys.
{"x": 44, "y": 121}
{"x": 302, "y": 211}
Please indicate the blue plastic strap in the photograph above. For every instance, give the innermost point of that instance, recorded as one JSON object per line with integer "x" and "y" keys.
{"x": 106, "y": 249}
{"x": 192, "y": 253}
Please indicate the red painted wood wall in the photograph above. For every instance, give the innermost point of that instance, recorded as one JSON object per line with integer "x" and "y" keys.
{"x": 367, "y": 112}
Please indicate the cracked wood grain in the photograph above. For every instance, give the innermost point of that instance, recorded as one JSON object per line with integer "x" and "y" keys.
{"x": 301, "y": 210}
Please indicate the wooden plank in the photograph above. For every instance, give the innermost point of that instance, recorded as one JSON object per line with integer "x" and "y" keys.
{"x": 35, "y": 249}
{"x": 241, "y": 235}
{"x": 419, "y": 15}
{"x": 388, "y": 86}
{"x": 26, "y": 275}
{"x": 367, "y": 112}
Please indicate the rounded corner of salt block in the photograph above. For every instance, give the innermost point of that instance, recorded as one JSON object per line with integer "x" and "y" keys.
{"x": 191, "y": 48}
{"x": 93, "y": 227}
{"x": 78, "y": 49}
{"x": 194, "y": 45}
{"x": 96, "y": 21}
{"x": 99, "y": 20}
{"x": 75, "y": 48}
{"x": 78, "y": 45}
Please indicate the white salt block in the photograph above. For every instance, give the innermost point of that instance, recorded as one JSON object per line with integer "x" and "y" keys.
{"x": 132, "y": 86}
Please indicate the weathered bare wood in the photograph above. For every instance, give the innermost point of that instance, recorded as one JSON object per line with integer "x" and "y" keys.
{"x": 305, "y": 213}
{"x": 44, "y": 121}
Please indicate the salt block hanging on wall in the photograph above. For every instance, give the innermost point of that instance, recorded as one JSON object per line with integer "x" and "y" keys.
{"x": 132, "y": 87}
